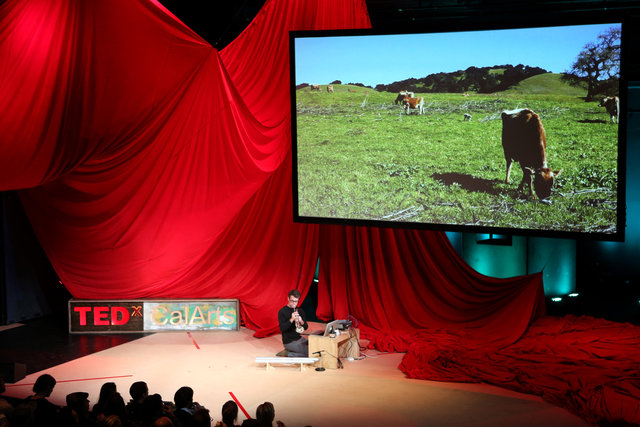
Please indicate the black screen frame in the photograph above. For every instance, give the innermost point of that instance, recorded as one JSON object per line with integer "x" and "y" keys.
{"x": 457, "y": 25}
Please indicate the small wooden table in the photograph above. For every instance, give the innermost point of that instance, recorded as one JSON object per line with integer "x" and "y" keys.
{"x": 347, "y": 344}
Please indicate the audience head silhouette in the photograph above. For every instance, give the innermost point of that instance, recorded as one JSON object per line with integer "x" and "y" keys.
{"x": 265, "y": 414}
{"x": 144, "y": 410}
{"x": 44, "y": 385}
{"x": 229, "y": 413}
{"x": 139, "y": 391}
{"x": 201, "y": 418}
{"x": 183, "y": 397}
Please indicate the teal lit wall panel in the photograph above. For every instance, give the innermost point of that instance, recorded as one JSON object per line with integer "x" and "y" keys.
{"x": 495, "y": 260}
{"x": 556, "y": 258}
{"x": 456, "y": 240}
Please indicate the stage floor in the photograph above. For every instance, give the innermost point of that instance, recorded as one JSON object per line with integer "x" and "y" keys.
{"x": 371, "y": 392}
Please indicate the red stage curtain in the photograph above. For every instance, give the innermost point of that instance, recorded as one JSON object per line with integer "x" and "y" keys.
{"x": 407, "y": 280}
{"x": 153, "y": 166}
{"x": 147, "y": 167}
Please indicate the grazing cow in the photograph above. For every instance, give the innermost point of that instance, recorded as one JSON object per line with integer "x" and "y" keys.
{"x": 413, "y": 104}
{"x": 315, "y": 87}
{"x": 467, "y": 117}
{"x": 524, "y": 141}
{"x": 330, "y": 88}
{"x": 402, "y": 95}
{"x": 612, "y": 104}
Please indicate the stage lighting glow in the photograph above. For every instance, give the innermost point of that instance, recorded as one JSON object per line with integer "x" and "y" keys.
{"x": 573, "y": 295}
{"x": 556, "y": 299}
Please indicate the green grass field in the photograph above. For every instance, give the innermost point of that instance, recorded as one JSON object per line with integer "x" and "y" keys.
{"x": 360, "y": 157}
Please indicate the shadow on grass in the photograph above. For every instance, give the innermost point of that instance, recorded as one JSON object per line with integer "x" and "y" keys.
{"x": 592, "y": 121}
{"x": 470, "y": 183}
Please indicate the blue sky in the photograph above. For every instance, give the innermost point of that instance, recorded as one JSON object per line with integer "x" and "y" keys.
{"x": 384, "y": 59}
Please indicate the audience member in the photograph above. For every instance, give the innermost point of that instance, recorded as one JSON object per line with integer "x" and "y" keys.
{"x": 36, "y": 410}
{"x": 6, "y": 408}
{"x": 110, "y": 402}
{"x": 138, "y": 391}
{"x": 109, "y": 421}
{"x": 201, "y": 418}
{"x": 152, "y": 409}
{"x": 265, "y": 414}
{"x": 76, "y": 413}
{"x": 143, "y": 410}
{"x": 185, "y": 406}
{"x": 163, "y": 422}
{"x": 229, "y": 413}
{"x": 107, "y": 391}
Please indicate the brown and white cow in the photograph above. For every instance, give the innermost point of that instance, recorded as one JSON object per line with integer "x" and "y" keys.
{"x": 315, "y": 87}
{"x": 330, "y": 88}
{"x": 413, "y": 104}
{"x": 524, "y": 141}
{"x": 612, "y": 105}
{"x": 402, "y": 95}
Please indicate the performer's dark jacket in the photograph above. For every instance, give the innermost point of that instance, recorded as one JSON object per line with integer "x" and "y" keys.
{"x": 287, "y": 328}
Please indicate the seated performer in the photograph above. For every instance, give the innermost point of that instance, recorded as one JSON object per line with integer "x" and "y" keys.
{"x": 292, "y": 322}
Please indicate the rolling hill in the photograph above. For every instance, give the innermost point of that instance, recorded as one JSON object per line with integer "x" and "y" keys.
{"x": 548, "y": 83}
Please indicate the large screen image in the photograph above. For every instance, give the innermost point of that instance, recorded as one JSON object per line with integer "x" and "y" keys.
{"x": 515, "y": 130}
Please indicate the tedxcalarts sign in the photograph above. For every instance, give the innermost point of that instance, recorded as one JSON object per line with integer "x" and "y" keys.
{"x": 86, "y": 316}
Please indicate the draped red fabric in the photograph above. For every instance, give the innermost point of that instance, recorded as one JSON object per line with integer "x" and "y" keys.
{"x": 408, "y": 279}
{"x": 154, "y": 166}
{"x": 145, "y": 168}
{"x": 587, "y": 365}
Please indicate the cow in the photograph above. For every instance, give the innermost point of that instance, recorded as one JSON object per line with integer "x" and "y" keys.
{"x": 315, "y": 87}
{"x": 612, "y": 105}
{"x": 467, "y": 117}
{"x": 413, "y": 104}
{"x": 524, "y": 141}
{"x": 402, "y": 95}
{"x": 330, "y": 88}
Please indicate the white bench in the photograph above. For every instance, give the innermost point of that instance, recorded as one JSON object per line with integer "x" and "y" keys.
{"x": 287, "y": 361}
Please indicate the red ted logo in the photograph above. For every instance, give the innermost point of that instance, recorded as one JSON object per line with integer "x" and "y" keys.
{"x": 102, "y": 316}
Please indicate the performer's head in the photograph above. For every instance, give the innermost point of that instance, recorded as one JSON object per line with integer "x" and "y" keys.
{"x": 294, "y": 297}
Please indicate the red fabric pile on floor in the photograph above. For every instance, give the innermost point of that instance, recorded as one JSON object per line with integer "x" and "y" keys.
{"x": 589, "y": 366}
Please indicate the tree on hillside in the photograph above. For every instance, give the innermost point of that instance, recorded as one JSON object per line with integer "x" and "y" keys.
{"x": 475, "y": 79}
{"x": 489, "y": 84}
{"x": 598, "y": 65}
